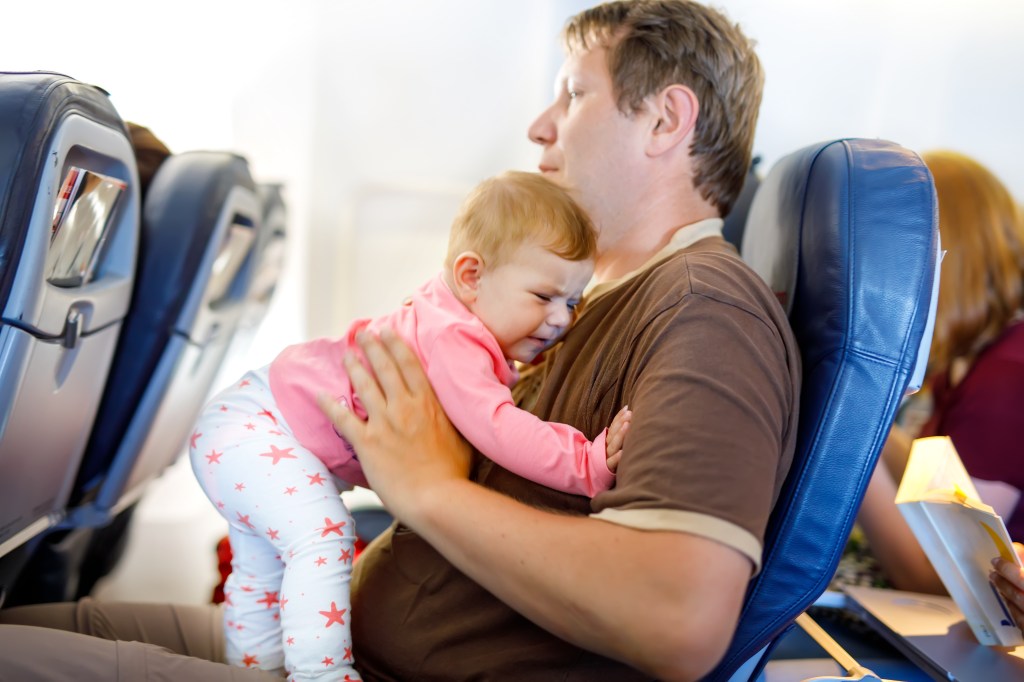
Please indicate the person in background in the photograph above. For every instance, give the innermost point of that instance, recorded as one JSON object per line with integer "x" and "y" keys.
{"x": 488, "y": 575}
{"x": 975, "y": 369}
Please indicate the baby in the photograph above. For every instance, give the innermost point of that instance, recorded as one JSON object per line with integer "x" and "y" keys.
{"x": 520, "y": 253}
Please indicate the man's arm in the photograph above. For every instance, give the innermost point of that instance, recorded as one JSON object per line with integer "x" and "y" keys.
{"x": 664, "y": 602}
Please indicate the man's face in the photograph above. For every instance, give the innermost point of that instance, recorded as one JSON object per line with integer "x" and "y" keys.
{"x": 590, "y": 147}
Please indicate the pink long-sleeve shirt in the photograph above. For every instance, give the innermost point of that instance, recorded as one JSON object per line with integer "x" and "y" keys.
{"x": 471, "y": 378}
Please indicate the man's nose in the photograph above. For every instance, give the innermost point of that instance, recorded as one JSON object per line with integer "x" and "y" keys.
{"x": 542, "y": 130}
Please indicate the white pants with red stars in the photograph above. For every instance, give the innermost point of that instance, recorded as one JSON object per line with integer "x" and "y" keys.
{"x": 287, "y": 598}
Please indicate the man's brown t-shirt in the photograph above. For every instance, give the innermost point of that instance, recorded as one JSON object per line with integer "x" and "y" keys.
{"x": 699, "y": 348}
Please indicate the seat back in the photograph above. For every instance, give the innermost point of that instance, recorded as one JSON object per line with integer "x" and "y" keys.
{"x": 736, "y": 222}
{"x": 69, "y": 215}
{"x": 200, "y": 223}
{"x": 846, "y": 232}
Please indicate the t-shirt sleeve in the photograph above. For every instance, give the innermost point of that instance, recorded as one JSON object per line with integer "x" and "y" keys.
{"x": 711, "y": 394}
{"x": 463, "y": 373}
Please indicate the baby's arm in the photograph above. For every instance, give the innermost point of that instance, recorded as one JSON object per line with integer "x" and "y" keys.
{"x": 463, "y": 374}
{"x": 616, "y": 435}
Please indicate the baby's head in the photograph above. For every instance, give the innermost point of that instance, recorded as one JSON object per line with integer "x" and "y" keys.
{"x": 519, "y": 255}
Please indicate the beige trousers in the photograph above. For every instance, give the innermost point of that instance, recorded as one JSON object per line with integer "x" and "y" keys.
{"x": 114, "y": 642}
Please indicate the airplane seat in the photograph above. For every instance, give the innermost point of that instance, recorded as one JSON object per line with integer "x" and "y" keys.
{"x": 69, "y": 222}
{"x": 271, "y": 243}
{"x": 736, "y": 221}
{"x": 200, "y": 221}
{"x": 846, "y": 233}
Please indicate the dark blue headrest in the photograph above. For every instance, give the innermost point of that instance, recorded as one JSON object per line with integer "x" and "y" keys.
{"x": 183, "y": 206}
{"x": 846, "y": 233}
{"x": 32, "y": 105}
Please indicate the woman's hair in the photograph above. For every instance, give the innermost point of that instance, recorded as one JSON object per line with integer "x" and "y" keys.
{"x": 653, "y": 44}
{"x": 515, "y": 208}
{"x": 982, "y": 279}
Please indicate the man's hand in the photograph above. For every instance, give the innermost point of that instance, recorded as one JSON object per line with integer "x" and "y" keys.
{"x": 407, "y": 446}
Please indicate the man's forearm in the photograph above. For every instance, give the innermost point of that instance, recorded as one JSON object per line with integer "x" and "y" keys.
{"x": 664, "y": 602}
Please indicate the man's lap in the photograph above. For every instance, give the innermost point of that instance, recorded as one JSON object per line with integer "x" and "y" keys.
{"x": 91, "y": 640}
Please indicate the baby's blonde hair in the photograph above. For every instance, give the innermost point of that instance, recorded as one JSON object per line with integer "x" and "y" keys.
{"x": 506, "y": 211}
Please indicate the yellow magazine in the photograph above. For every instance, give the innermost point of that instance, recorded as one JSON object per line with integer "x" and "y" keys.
{"x": 960, "y": 535}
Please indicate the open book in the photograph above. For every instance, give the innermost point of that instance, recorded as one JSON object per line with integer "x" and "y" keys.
{"x": 959, "y": 534}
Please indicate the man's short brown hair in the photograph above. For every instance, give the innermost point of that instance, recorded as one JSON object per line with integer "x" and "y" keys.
{"x": 656, "y": 43}
{"x": 515, "y": 208}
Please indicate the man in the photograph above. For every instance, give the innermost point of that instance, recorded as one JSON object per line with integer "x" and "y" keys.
{"x": 492, "y": 577}
{"x": 651, "y": 128}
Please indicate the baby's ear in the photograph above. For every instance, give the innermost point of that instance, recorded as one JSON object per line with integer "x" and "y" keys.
{"x": 467, "y": 268}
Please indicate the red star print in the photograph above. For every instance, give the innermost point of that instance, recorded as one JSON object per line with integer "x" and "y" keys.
{"x": 290, "y": 641}
{"x": 348, "y": 654}
{"x": 278, "y": 454}
{"x": 239, "y": 627}
{"x": 272, "y": 432}
{"x": 244, "y": 383}
{"x": 193, "y": 439}
{"x": 268, "y": 415}
{"x": 273, "y": 534}
{"x": 247, "y": 588}
{"x": 239, "y": 487}
{"x": 228, "y": 602}
{"x": 328, "y": 661}
{"x": 348, "y": 679}
{"x": 315, "y": 478}
{"x": 223, "y": 408}
{"x": 220, "y": 505}
{"x": 245, "y": 520}
{"x": 283, "y": 602}
{"x": 320, "y": 561}
{"x": 250, "y": 426}
{"x": 248, "y": 661}
{"x": 334, "y": 615}
{"x": 331, "y": 527}
{"x": 346, "y": 555}
{"x": 269, "y": 598}
{"x": 213, "y": 457}
{"x": 290, "y": 491}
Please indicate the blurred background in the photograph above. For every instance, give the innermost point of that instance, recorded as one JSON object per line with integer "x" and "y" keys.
{"x": 378, "y": 117}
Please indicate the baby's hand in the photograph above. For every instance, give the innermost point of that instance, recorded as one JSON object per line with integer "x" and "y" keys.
{"x": 616, "y": 434}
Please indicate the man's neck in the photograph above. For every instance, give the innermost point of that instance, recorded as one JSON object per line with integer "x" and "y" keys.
{"x": 637, "y": 248}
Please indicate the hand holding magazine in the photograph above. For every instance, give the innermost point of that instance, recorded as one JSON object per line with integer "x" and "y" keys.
{"x": 959, "y": 534}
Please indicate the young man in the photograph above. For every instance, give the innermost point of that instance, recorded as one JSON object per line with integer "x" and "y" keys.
{"x": 651, "y": 129}
{"x": 492, "y": 577}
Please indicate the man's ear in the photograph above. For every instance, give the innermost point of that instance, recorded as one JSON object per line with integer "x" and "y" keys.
{"x": 674, "y": 111}
{"x": 467, "y": 269}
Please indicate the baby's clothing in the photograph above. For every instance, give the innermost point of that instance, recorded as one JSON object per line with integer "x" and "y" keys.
{"x": 472, "y": 380}
{"x": 284, "y": 510}
{"x": 264, "y": 454}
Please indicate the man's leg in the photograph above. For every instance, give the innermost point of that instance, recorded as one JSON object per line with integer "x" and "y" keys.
{"x": 104, "y": 641}
{"x": 194, "y": 631}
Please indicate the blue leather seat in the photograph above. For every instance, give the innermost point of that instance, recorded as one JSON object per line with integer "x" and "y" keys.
{"x": 200, "y": 222}
{"x": 58, "y": 331}
{"x": 846, "y": 232}
{"x": 736, "y": 221}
